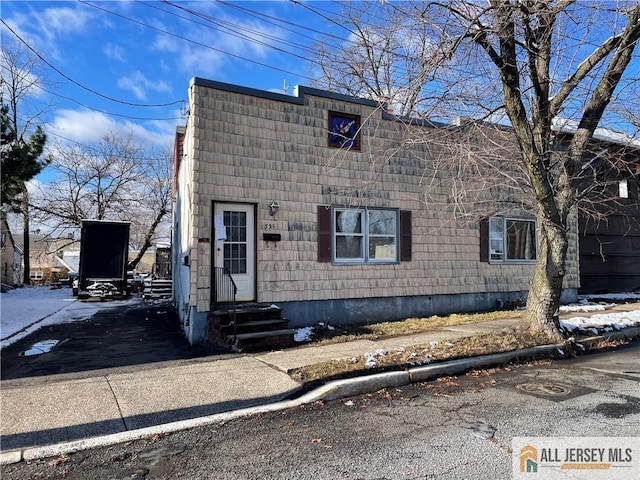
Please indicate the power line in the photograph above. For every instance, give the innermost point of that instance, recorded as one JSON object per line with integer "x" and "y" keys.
{"x": 111, "y": 114}
{"x": 278, "y": 21}
{"x": 37, "y": 54}
{"x": 209, "y": 47}
{"x": 234, "y": 29}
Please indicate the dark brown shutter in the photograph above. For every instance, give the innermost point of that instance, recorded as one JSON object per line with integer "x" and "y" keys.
{"x": 405, "y": 235}
{"x": 324, "y": 233}
{"x": 484, "y": 240}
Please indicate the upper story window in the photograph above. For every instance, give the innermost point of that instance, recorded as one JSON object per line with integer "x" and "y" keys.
{"x": 509, "y": 240}
{"x": 344, "y": 131}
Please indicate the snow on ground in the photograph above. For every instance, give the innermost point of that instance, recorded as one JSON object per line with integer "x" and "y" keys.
{"x": 25, "y": 310}
{"x": 602, "y": 322}
{"x": 303, "y": 334}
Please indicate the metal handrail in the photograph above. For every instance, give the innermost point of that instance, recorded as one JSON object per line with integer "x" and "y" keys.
{"x": 225, "y": 292}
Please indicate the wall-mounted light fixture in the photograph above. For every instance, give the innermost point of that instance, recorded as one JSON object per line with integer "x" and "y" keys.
{"x": 273, "y": 208}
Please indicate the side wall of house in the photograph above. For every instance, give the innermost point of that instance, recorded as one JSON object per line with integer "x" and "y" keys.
{"x": 184, "y": 256}
{"x": 251, "y": 149}
{"x": 10, "y": 258}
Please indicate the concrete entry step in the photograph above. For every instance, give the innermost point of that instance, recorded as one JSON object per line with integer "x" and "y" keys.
{"x": 258, "y": 326}
{"x": 256, "y": 341}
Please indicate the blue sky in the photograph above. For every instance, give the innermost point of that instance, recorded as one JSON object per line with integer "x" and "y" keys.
{"x": 125, "y": 66}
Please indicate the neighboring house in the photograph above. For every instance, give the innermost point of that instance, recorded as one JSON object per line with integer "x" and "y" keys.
{"x": 610, "y": 245}
{"x": 10, "y": 255}
{"x": 282, "y": 191}
{"x": 51, "y": 259}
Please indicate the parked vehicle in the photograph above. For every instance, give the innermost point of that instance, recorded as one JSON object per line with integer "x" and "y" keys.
{"x": 104, "y": 249}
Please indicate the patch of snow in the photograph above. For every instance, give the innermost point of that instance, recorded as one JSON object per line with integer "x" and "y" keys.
{"x": 433, "y": 344}
{"x": 449, "y": 344}
{"x": 39, "y": 348}
{"x": 349, "y": 403}
{"x": 25, "y": 310}
{"x": 602, "y": 322}
{"x": 586, "y": 307}
{"x": 303, "y": 334}
{"x": 382, "y": 352}
{"x": 565, "y": 125}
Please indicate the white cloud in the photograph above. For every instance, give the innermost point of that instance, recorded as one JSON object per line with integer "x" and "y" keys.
{"x": 41, "y": 28}
{"x": 84, "y": 126}
{"x": 140, "y": 85}
{"x": 64, "y": 20}
{"x": 198, "y": 59}
{"x": 114, "y": 52}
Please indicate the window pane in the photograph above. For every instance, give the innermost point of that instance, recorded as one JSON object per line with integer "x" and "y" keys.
{"x": 521, "y": 240}
{"x": 381, "y": 222}
{"x": 496, "y": 249}
{"x": 349, "y": 221}
{"x": 382, "y": 248}
{"x": 235, "y": 257}
{"x": 236, "y": 223}
{"x": 496, "y": 228}
{"x": 349, "y": 248}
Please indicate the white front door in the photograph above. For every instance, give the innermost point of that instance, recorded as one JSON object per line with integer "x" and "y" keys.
{"x": 234, "y": 245}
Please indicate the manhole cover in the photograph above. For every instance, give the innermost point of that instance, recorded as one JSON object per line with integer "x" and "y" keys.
{"x": 545, "y": 389}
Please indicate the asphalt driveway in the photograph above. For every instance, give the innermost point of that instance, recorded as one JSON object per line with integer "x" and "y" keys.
{"x": 144, "y": 333}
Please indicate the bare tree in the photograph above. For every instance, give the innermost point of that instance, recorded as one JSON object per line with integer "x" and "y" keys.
{"x": 23, "y": 138}
{"x": 550, "y": 69}
{"x": 112, "y": 179}
{"x": 391, "y": 64}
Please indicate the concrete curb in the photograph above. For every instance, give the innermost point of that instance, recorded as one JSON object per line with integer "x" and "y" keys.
{"x": 330, "y": 391}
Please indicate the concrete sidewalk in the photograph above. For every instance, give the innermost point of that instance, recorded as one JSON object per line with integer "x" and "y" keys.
{"x": 40, "y": 411}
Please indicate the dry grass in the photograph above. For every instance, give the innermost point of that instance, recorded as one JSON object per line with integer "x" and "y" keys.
{"x": 515, "y": 338}
{"x": 424, "y": 354}
{"x": 346, "y": 333}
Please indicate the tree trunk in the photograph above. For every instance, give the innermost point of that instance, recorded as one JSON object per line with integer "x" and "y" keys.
{"x": 26, "y": 250}
{"x": 147, "y": 239}
{"x": 543, "y": 301}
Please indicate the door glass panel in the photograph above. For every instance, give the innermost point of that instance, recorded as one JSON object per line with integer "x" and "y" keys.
{"x": 235, "y": 246}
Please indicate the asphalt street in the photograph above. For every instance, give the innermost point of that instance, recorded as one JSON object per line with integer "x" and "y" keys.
{"x": 454, "y": 428}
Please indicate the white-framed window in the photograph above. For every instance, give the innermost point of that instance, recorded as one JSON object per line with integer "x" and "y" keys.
{"x": 365, "y": 235}
{"x": 512, "y": 240}
{"x": 36, "y": 275}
